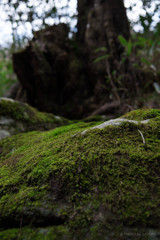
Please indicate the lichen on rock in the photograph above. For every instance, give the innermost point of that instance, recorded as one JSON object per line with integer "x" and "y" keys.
{"x": 116, "y": 122}
{"x": 62, "y": 185}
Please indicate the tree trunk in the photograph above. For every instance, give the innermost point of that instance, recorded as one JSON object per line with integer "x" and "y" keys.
{"x": 83, "y": 8}
{"x": 102, "y": 23}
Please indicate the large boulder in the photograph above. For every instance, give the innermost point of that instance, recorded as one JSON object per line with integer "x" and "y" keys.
{"x": 20, "y": 117}
{"x": 83, "y": 181}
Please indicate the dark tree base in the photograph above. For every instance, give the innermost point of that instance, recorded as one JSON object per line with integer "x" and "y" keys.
{"x": 59, "y": 75}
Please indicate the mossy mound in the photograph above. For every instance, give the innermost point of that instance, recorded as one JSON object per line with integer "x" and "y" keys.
{"x": 20, "y": 117}
{"x": 61, "y": 184}
{"x": 142, "y": 114}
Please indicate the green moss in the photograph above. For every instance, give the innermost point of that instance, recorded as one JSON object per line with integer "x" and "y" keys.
{"x": 97, "y": 183}
{"x": 28, "y": 115}
{"x": 142, "y": 114}
{"x": 50, "y": 233}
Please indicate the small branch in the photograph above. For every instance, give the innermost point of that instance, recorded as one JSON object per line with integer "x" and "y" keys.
{"x": 142, "y": 136}
{"x": 102, "y": 109}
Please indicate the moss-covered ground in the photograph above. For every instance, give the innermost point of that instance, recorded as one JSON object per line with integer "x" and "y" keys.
{"x": 63, "y": 185}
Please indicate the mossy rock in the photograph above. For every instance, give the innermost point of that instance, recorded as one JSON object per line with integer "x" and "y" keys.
{"x": 69, "y": 183}
{"x": 20, "y": 117}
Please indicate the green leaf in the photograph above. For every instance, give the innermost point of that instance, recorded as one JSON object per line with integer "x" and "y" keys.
{"x": 101, "y": 58}
{"x": 123, "y": 41}
{"x": 54, "y": 10}
{"x": 102, "y": 49}
{"x": 144, "y": 60}
{"x": 129, "y": 48}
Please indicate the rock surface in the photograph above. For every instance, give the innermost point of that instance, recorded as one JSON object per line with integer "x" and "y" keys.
{"x": 61, "y": 184}
{"x": 19, "y": 117}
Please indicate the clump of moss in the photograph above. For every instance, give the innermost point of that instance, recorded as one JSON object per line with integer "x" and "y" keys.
{"x": 95, "y": 185}
{"x": 142, "y": 114}
{"x": 29, "y": 116}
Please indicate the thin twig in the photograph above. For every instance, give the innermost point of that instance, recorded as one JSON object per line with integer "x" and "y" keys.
{"x": 142, "y": 136}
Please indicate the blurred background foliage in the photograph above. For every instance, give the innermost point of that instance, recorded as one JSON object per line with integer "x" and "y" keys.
{"x": 27, "y": 16}
{"x": 7, "y": 76}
